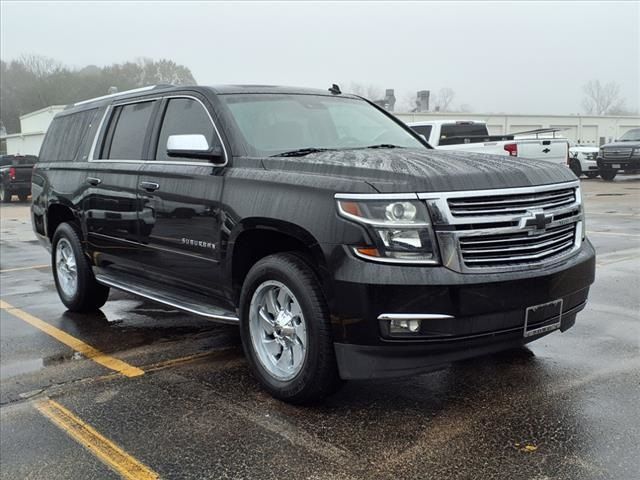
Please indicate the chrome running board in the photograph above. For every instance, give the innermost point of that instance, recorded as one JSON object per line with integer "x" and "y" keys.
{"x": 191, "y": 305}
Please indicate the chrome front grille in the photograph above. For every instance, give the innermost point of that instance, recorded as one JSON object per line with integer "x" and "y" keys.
{"x": 510, "y": 204}
{"x": 616, "y": 153}
{"x": 507, "y": 229}
{"x": 516, "y": 248}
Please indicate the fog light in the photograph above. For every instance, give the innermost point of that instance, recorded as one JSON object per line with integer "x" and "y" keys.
{"x": 404, "y": 326}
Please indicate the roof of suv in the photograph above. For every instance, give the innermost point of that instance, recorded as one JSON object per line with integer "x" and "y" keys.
{"x": 216, "y": 89}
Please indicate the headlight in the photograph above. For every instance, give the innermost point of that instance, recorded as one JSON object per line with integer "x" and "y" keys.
{"x": 401, "y": 228}
{"x": 635, "y": 152}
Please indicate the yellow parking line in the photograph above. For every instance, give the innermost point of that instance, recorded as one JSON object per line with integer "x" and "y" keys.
{"x": 78, "y": 345}
{"x": 103, "y": 448}
{"x": 19, "y": 269}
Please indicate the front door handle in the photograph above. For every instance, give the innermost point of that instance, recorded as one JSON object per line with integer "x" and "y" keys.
{"x": 149, "y": 186}
{"x": 94, "y": 181}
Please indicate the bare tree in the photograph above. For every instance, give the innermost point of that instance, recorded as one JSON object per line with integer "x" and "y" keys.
{"x": 39, "y": 65}
{"x": 601, "y": 99}
{"x": 443, "y": 99}
{"x": 368, "y": 91}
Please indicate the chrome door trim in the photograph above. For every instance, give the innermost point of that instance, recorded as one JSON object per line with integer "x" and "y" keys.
{"x": 107, "y": 114}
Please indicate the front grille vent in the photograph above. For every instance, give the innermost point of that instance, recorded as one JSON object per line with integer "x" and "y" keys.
{"x": 511, "y": 204}
{"x": 616, "y": 153}
{"x": 516, "y": 248}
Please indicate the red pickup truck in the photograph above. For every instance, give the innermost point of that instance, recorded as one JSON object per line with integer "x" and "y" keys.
{"x": 15, "y": 176}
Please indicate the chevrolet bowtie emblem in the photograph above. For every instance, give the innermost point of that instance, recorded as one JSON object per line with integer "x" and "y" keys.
{"x": 537, "y": 219}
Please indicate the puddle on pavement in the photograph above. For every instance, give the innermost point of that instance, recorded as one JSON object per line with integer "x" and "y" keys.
{"x": 31, "y": 365}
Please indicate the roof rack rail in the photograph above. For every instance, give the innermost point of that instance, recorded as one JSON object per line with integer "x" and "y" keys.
{"x": 126, "y": 92}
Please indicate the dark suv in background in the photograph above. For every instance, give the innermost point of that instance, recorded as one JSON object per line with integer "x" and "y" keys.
{"x": 621, "y": 155}
{"x": 342, "y": 244}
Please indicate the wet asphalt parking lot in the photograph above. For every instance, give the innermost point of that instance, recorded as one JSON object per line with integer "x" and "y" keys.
{"x": 143, "y": 391}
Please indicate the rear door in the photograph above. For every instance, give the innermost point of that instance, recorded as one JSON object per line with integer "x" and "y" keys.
{"x": 180, "y": 215}
{"x": 111, "y": 203}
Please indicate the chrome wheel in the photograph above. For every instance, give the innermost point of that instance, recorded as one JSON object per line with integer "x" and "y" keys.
{"x": 278, "y": 330}
{"x": 66, "y": 268}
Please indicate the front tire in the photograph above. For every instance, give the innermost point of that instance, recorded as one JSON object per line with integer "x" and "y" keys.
{"x": 576, "y": 168}
{"x": 608, "y": 175}
{"x": 592, "y": 175}
{"x": 76, "y": 285}
{"x": 286, "y": 331}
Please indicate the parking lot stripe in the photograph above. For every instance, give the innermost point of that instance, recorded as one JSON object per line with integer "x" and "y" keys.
{"x": 20, "y": 269}
{"x": 75, "y": 343}
{"x": 103, "y": 448}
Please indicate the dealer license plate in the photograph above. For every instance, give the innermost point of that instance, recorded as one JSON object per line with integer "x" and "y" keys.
{"x": 543, "y": 318}
{"x": 615, "y": 165}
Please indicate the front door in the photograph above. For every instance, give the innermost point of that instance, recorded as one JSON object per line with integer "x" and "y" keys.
{"x": 180, "y": 203}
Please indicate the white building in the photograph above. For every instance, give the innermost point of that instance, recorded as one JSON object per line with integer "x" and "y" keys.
{"x": 578, "y": 128}
{"x": 33, "y": 126}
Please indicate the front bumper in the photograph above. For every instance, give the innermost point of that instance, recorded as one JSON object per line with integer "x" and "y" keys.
{"x": 630, "y": 164}
{"x": 486, "y": 312}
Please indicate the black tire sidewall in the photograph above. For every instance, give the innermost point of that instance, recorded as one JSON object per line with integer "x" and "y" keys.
{"x": 270, "y": 269}
{"x": 576, "y": 168}
{"x": 89, "y": 295}
{"x": 5, "y": 195}
{"x": 65, "y": 231}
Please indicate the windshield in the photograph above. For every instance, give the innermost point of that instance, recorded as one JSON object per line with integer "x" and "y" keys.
{"x": 632, "y": 135}
{"x": 273, "y": 124}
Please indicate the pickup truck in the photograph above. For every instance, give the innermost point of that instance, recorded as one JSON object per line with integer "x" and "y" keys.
{"x": 15, "y": 176}
{"x": 473, "y": 136}
{"x": 331, "y": 234}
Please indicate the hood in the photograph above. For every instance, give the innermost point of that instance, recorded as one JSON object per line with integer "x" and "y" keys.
{"x": 629, "y": 144}
{"x": 409, "y": 170}
{"x": 584, "y": 149}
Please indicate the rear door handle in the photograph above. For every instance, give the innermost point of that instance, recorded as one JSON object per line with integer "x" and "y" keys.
{"x": 94, "y": 181}
{"x": 149, "y": 186}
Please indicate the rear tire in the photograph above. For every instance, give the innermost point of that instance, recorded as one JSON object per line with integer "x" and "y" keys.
{"x": 608, "y": 175}
{"x": 76, "y": 285}
{"x": 5, "y": 195}
{"x": 576, "y": 168}
{"x": 286, "y": 330}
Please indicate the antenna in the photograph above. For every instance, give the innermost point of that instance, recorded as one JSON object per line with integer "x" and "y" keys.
{"x": 335, "y": 89}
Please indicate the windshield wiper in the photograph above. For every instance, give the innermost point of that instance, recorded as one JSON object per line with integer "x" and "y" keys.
{"x": 301, "y": 152}
{"x": 384, "y": 145}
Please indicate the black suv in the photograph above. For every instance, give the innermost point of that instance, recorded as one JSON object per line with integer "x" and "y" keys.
{"x": 621, "y": 155}
{"x": 338, "y": 240}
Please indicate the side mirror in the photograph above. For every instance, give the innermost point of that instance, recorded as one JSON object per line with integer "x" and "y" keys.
{"x": 193, "y": 146}
{"x": 423, "y": 137}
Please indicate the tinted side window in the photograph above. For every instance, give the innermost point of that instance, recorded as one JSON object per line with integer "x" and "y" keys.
{"x": 127, "y": 131}
{"x": 65, "y": 136}
{"x": 423, "y": 130}
{"x": 184, "y": 116}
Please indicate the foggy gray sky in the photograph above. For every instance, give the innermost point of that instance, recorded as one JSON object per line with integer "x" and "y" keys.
{"x": 498, "y": 57}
